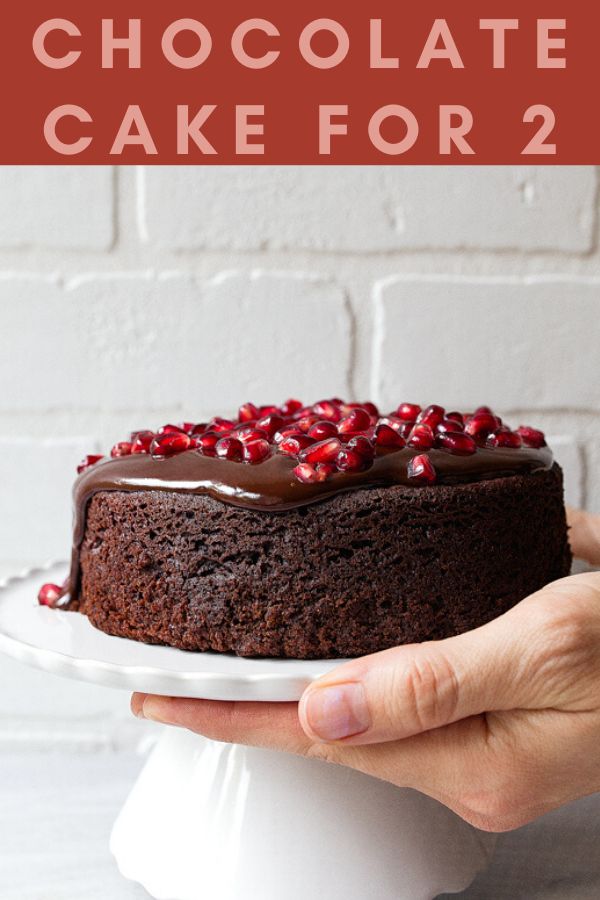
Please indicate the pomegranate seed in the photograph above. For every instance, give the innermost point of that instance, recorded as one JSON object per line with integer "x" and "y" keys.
{"x": 483, "y": 411}
{"x": 449, "y": 425}
{"x": 362, "y": 445}
{"x": 290, "y": 430}
{"x": 387, "y": 437}
{"x": 200, "y": 428}
{"x": 188, "y": 427}
{"x": 307, "y": 473}
{"x": 392, "y": 422}
{"x": 408, "y": 412}
{"x": 422, "y": 437}
{"x": 322, "y": 452}
{"x": 141, "y": 441}
{"x": 256, "y": 451}
{"x": 294, "y": 444}
{"x": 221, "y": 425}
{"x": 323, "y": 429}
{"x": 250, "y": 433}
{"x": 229, "y": 448}
{"x": 290, "y": 407}
{"x": 123, "y": 448}
{"x": 351, "y": 461}
{"x": 505, "y": 438}
{"x": 431, "y": 416}
{"x": 325, "y": 471}
{"x": 480, "y": 425}
{"x": 459, "y": 444}
{"x": 49, "y": 594}
{"x": 306, "y": 422}
{"x": 421, "y": 470}
{"x": 327, "y": 409}
{"x": 90, "y": 460}
{"x": 532, "y": 437}
{"x": 169, "y": 444}
{"x": 206, "y": 442}
{"x": 456, "y": 417}
{"x": 370, "y": 408}
{"x": 271, "y": 423}
{"x": 269, "y": 410}
{"x": 357, "y": 420}
{"x": 170, "y": 429}
{"x": 248, "y": 412}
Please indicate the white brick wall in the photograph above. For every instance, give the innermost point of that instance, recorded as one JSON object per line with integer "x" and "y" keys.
{"x": 130, "y": 297}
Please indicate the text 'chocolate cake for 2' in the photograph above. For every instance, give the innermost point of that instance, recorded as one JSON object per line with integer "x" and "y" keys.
{"x": 314, "y": 531}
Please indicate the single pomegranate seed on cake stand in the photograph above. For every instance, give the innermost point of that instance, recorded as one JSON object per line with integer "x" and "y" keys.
{"x": 532, "y": 437}
{"x": 88, "y": 461}
{"x": 49, "y": 595}
{"x": 421, "y": 470}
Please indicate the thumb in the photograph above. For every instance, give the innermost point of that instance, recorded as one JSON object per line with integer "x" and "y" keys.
{"x": 414, "y": 688}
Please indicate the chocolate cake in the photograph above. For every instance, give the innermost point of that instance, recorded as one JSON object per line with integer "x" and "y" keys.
{"x": 314, "y": 532}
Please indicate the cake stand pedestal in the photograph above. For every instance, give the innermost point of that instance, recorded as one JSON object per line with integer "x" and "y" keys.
{"x": 226, "y": 822}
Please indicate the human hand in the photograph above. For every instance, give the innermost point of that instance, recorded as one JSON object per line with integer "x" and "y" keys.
{"x": 501, "y": 724}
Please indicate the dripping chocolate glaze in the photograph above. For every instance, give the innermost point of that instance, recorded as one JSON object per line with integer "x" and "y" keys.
{"x": 271, "y": 486}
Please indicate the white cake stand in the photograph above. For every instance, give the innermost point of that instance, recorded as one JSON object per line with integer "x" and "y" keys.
{"x": 210, "y": 820}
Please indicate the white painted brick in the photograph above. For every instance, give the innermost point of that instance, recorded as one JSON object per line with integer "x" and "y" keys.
{"x": 60, "y": 207}
{"x": 273, "y": 336}
{"x": 508, "y": 343}
{"x": 143, "y": 342}
{"x": 369, "y": 208}
{"x": 567, "y": 453}
{"x": 36, "y": 478}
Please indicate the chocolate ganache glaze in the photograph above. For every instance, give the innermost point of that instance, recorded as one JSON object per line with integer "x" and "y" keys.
{"x": 271, "y": 486}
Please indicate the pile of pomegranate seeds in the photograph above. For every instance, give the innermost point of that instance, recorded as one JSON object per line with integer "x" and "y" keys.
{"x": 332, "y": 436}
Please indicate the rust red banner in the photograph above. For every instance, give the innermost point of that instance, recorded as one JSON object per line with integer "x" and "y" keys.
{"x": 259, "y": 81}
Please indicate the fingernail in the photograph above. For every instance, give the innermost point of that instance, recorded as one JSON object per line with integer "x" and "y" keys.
{"x": 137, "y": 705}
{"x": 337, "y": 711}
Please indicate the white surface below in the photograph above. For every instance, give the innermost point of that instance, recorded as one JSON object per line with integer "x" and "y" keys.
{"x": 57, "y": 811}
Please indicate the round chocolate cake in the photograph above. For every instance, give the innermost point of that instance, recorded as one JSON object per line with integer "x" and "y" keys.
{"x": 313, "y": 532}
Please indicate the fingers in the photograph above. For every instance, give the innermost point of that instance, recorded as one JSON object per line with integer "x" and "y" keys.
{"x": 538, "y": 655}
{"x": 272, "y": 725}
{"x": 584, "y": 535}
{"x": 412, "y": 689}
